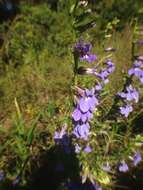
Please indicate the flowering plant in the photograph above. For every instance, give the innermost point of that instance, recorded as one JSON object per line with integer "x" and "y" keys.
{"x": 98, "y": 138}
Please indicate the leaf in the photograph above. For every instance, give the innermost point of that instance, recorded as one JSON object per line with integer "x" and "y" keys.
{"x": 83, "y": 28}
{"x": 17, "y": 108}
{"x": 82, "y": 17}
{"x": 31, "y": 131}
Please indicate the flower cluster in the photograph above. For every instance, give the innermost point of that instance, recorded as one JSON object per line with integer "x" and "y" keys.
{"x": 104, "y": 73}
{"x": 123, "y": 166}
{"x": 86, "y": 104}
{"x": 88, "y": 99}
{"x": 130, "y": 95}
{"x": 83, "y": 51}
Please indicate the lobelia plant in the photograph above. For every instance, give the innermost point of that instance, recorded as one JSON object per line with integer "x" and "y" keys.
{"x": 86, "y": 105}
{"x": 104, "y": 143}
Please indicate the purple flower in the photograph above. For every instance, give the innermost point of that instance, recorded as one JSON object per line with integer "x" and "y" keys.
{"x": 84, "y": 104}
{"x": 137, "y": 158}
{"x": 104, "y": 73}
{"x": 83, "y": 47}
{"x": 89, "y": 115}
{"x": 83, "y": 112}
{"x": 59, "y": 135}
{"x": 130, "y": 94}
{"x": 83, "y": 50}
{"x": 138, "y": 63}
{"x": 89, "y": 58}
{"x": 110, "y": 66}
{"x": 82, "y": 131}
{"x": 98, "y": 87}
{"x": 87, "y": 149}
{"x": 61, "y": 138}
{"x": 76, "y": 114}
{"x": 125, "y": 110}
{"x": 123, "y": 167}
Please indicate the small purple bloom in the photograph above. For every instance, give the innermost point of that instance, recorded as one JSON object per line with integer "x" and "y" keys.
{"x": 89, "y": 115}
{"x": 93, "y": 102}
{"x": 59, "y": 135}
{"x": 98, "y": 87}
{"x": 61, "y": 138}
{"x": 84, "y": 117}
{"x": 131, "y": 71}
{"x": 103, "y": 75}
{"x": 137, "y": 158}
{"x": 76, "y": 115}
{"x": 89, "y": 58}
{"x": 130, "y": 94}
{"x": 87, "y": 149}
{"x": 125, "y": 110}
{"x": 84, "y": 104}
{"x": 123, "y": 167}
{"x": 82, "y": 131}
{"x": 121, "y": 94}
{"x": 89, "y": 93}
{"x": 83, "y": 50}
{"x": 138, "y": 63}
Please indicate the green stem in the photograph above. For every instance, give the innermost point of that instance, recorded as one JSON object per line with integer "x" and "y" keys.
{"x": 75, "y": 68}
